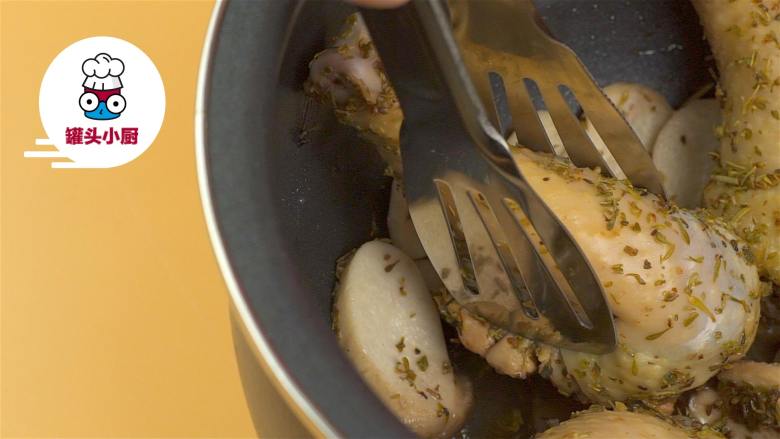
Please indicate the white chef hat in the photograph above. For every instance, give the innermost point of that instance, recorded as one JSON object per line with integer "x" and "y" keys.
{"x": 103, "y": 72}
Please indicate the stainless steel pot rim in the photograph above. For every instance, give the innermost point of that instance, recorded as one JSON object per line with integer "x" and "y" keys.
{"x": 296, "y": 399}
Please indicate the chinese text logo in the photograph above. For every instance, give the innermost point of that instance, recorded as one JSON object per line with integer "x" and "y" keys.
{"x": 101, "y": 102}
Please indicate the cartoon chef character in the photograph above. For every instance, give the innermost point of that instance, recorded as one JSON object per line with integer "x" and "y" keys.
{"x": 102, "y": 98}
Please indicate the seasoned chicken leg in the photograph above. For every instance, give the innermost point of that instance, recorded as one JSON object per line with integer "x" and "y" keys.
{"x": 745, "y": 39}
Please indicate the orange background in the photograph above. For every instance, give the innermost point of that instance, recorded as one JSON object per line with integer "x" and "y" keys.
{"x": 113, "y": 313}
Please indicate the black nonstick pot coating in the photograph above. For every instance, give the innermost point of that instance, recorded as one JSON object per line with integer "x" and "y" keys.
{"x": 293, "y": 190}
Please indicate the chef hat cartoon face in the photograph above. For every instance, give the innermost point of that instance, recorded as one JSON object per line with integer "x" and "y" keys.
{"x": 102, "y": 98}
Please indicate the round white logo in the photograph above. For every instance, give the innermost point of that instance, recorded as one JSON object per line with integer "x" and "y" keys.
{"x": 101, "y": 102}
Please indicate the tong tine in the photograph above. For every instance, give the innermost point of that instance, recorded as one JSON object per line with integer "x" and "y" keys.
{"x": 501, "y": 106}
{"x": 497, "y": 225}
{"x": 503, "y": 224}
{"x": 463, "y": 239}
{"x": 491, "y": 220}
{"x": 621, "y": 140}
{"x": 576, "y": 142}
{"x": 552, "y": 64}
{"x": 477, "y": 221}
{"x": 514, "y": 105}
{"x": 470, "y": 218}
{"x": 515, "y": 224}
{"x": 538, "y": 46}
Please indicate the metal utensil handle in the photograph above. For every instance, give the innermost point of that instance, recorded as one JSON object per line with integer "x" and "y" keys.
{"x": 422, "y": 59}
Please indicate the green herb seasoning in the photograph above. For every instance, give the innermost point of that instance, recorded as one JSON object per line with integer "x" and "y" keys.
{"x": 655, "y": 336}
{"x": 698, "y": 303}
{"x": 690, "y": 319}
{"x": 406, "y": 373}
{"x": 716, "y": 272}
{"x": 638, "y": 278}
{"x": 661, "y": 239}
{"x": 442, "y": 411}
{"x": 422, "y": 363}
